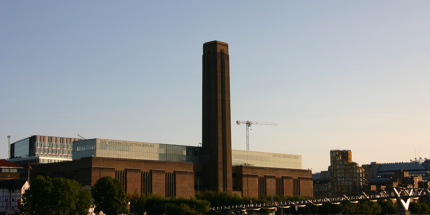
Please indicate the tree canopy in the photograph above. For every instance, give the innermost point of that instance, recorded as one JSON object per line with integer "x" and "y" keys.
{"x": 56, "y": 196}
{"x": 153, "y": 204}
{"x": 109, "y": 196}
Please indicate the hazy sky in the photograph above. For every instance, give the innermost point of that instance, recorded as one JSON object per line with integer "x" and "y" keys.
{"x": 333, "y": 74}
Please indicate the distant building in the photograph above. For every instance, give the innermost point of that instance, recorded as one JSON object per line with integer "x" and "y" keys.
{"x": 347, "y": 177}
{"x": 415, "y": 173}
{"x": 344, "y": 177}
{"x": 321, "y": 184}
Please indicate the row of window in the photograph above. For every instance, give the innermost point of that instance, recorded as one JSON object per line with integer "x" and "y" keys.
{"x": 54, "y": 152}
{"x": 9, "y": 170}
{"x": 56, "y": 145}
{"x": 50, "y": 160}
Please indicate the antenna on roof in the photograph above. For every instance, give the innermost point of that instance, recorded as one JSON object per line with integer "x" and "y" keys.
{"x": 8, "y": 144}
{"x": 81, "y": 137}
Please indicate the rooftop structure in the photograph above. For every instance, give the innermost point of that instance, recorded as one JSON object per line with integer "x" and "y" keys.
{"x": 265, "y": 159}
{"x": 105, "y": 148}
{"x": 41, "y": 149}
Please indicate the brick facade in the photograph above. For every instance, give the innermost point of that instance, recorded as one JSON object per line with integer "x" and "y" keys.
{"x": 171, "y": 179}
{"x": 261, "y": 181}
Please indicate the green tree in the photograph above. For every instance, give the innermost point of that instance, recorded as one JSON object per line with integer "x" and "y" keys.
{"x": 425, "y": 208}
{"x": 37, "y": 199}
{"x": 172, "y": 208}
{"x": 84, "y": 202}
{"x": 349, "y": 208}
{"x": 220, "y": 198}
{"x": 109, "y": 196}
{"x": 415, "y": 208}
{"x": 155, "y": 204}
{"x": 138, "y": 203}
{"x": 201, "y": 206}
{"x": 56, "y": 196}
{"x": 69, "y": 197}
{"x": 387, "y": 207}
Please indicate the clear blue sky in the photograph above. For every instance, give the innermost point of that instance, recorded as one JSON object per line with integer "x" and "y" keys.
{"x": 333, "y": 74}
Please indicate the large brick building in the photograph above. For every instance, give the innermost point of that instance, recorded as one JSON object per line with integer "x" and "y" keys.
{"x": 179, "y": 171}
{"x": 176, "y": 171}
{"x": 165, "y": 178}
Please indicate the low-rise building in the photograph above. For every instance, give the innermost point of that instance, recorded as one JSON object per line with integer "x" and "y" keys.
{"x": 9, "y": 170}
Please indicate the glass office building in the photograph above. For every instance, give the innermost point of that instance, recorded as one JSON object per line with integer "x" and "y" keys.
{"x": 134, "y": 150}
{"x": 49, "y": 149}
{"x": 41, "y": 149}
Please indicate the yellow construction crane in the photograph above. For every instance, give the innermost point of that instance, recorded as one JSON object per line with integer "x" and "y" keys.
{"x": 248, "y": 124}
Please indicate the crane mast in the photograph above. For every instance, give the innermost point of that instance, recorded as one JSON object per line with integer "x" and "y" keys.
{"x": 248, "y": 124}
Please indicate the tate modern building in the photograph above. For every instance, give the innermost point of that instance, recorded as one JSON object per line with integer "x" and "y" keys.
{"x": 174, "y": 170}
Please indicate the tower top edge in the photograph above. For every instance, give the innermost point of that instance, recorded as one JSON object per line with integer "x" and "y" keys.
{"x": 215, "y": 47}
{"x": 217, "y": 42}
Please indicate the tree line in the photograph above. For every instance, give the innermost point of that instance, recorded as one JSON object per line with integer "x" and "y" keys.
{"x": 63, "y": 196}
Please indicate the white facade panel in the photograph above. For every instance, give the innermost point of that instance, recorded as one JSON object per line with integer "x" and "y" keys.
{"x": 265, "y": 159}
